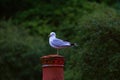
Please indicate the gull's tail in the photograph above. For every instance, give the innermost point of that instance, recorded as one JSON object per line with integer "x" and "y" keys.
{"x": 74, "y": 44}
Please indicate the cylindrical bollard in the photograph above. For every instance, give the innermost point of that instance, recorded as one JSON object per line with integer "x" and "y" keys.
{"x": 52, "y": 67}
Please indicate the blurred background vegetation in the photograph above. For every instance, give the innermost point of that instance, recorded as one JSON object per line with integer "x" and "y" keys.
{"x": 93, "y": 24}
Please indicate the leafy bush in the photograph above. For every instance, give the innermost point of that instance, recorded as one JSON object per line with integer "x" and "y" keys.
{"x": 99, "y": 54}
{"x": 19, "y": 53}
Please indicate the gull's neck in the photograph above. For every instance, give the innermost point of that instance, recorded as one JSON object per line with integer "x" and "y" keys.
{"x": 52, "y": 37}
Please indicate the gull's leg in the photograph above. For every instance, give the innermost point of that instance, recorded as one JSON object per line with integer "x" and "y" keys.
{"x": 57, "y": 51}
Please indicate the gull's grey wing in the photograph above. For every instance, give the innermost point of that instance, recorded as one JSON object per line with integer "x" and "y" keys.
{"x": 60, "y": 43}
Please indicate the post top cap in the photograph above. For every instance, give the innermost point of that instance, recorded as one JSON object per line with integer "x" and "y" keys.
{"x": 51, "y": 55}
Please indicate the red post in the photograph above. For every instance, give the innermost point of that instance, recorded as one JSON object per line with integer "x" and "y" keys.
{"x": 52, "y": 67}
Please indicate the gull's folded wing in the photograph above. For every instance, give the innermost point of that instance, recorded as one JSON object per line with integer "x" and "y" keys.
{"x": 60, "y": 43}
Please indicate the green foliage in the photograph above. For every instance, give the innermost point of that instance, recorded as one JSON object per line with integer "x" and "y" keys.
{"x": 94, "y": 26}
{"x": 98, "y": 58}
{"x": 19, "y": 53}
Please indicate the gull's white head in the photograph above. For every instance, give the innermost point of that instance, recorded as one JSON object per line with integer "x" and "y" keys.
{"x": 52, "y": 34}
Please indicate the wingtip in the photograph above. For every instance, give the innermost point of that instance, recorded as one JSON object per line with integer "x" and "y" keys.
{"x": 74, "y": 44}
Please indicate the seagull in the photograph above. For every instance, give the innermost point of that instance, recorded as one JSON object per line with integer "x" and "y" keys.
{"x": 58, "y": 43}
